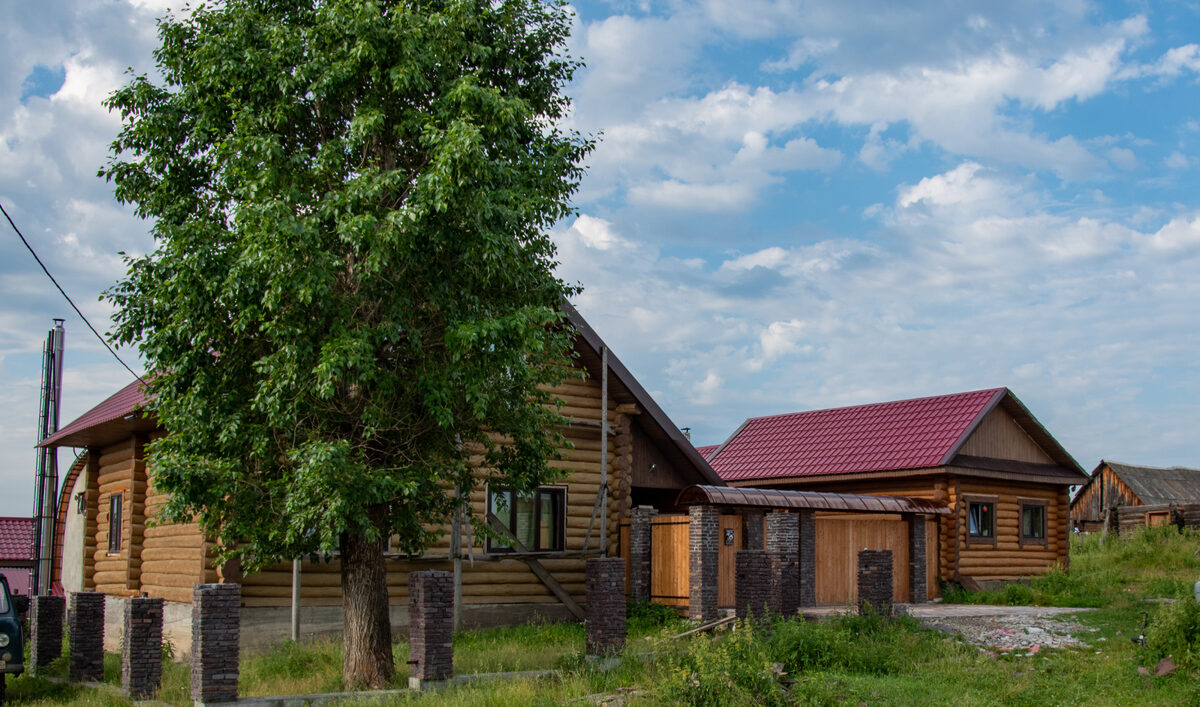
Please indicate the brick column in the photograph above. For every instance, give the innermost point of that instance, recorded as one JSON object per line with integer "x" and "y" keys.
{"x": 86, "y": 621}
{"x": 704, "y": 539}
{"x": 46, "y": 630}
{"x": 430, "y": 626}
{"x": 782, "y": 542}
{"x": 605, "y": 624}
{"x": 807, "y": 561}
{"x": 918, "y": 590}
{"x": 640, "y": 528}
{"x": 216, "y": 631}
{"x": 753, "y": 584}
{"x": 141, "y": 657}
{"x": 752, "y": 530}
{"x": 875, "y": 580}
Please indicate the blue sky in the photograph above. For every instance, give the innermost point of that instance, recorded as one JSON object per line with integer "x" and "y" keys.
{"x": 791, "y": 206}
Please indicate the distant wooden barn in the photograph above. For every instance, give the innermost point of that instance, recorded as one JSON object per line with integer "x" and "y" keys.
{"x": 1127, "y": 496}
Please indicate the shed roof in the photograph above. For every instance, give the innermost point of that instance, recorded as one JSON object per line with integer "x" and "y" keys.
{"x": 1155, "y": 485}
{"x": 903, "y": 434}
{"x": 16, "y": 539}
{"x": 811, "y": 500}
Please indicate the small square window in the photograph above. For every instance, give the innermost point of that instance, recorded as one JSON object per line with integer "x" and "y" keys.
{"x": 981, "y": 520}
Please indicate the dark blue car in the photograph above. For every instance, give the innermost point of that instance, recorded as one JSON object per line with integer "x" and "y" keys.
{"x": 11, "y": 652}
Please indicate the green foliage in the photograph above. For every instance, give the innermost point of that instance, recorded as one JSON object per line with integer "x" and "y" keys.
{"x": 1174, "y": 631}
{"x": 770, "y": 663}
{"x": 351, "y": 292}
{"x": 644, "y": 616}
{"x": 735, "y": 668}
{"x": 1111, "y": 571}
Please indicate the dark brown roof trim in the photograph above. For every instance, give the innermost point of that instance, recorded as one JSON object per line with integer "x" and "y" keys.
{"x": 810, "y": 500}
{"x": 655, "y": 413}
{"x": 1018, "y": 467}
{"x": 1063, "y": 477}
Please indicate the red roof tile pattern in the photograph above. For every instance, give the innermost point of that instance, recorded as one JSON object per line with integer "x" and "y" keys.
{"x": 116, "y": 407}
{"x": 16, "y": 539}
{"x": 707, "y": 450}
{"x": 905, "y": 434}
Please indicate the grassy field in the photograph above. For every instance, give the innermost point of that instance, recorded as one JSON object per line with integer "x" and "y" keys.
{"x": 853, "y": 660}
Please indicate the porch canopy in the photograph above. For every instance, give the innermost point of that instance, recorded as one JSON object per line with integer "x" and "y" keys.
{"x": 808, "y": 500}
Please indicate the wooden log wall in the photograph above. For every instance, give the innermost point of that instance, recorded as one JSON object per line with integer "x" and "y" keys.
{"x": 117, "y": 466}
{"x": 173, "y": 556}
{"x": 91, "y": 516}
{"x": 498, "y": 579}
{"x": 1008, "y": 558}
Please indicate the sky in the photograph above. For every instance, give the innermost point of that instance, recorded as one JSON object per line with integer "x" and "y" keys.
{"x": 791, "y": 206}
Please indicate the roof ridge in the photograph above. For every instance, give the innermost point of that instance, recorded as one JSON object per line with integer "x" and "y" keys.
{"x": 878, "y": 404}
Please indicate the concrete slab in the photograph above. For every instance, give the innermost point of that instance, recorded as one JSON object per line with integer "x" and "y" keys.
{"x": 939, "y": 610}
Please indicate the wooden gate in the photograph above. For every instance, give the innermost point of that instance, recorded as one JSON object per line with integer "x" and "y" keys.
{"x": 670, "y": 559}
{"x": 841, "y": 535}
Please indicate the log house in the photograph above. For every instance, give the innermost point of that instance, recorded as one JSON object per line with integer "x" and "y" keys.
{"x": 111, "y": 544}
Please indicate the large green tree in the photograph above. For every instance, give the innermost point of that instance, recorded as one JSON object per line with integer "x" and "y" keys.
{"x": 352, "y": 288}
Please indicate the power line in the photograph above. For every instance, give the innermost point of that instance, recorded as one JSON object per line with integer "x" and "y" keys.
{"x": 64, "y": 293}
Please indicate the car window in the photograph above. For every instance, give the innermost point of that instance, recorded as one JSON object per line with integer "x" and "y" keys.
{"x": 3, "y": 598}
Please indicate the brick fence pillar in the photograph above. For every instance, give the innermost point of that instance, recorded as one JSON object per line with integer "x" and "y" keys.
{"x": 604, "y": 584}
{"x": 783, "y": 571}
{"x": 216, "y": 633}
{"x": 704, "y": 539}
{"x": 918, "y": 589}
{"x": 46, "y": 630}
{"x": 430, "y": 626}
{"x": 783, "y": 544}
{"x": 141, "y": 656}
{"x": 807, "y": 561}
{"x": 640, "y": 528}
{"x": 752, "y": 530}
{"x": 753, "y": 584}
{"x": 86, "y": 621}
{"x": 875, "y": 581}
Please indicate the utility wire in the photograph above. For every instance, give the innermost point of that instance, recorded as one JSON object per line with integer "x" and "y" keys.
{"x": 65, "y": 295}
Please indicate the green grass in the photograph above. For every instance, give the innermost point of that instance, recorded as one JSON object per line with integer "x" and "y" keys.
{"x": 1106, "y": 572}
{"x": 845, "y": 660}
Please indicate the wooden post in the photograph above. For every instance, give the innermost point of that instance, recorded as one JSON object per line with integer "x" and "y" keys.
{"x": 456, "y": 553}
{"x": 296, "y": 600}
{"x": 604, "y": 451}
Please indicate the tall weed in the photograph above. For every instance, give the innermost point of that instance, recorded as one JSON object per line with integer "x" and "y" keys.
{"x": 1175, "y": 631}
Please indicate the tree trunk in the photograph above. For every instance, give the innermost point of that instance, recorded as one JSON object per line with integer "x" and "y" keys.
{"x": 367, "y": 637}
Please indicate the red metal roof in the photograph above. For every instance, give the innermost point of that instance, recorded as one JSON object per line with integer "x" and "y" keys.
{"x": 905, "y": 434}
{"x": 16, "y": 539}
{"x": 104, "y": 423}
{"x": 707, "y": 449}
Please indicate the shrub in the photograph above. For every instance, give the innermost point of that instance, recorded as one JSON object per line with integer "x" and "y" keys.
{"x": 1175, "y": 631}
{"x": 734, "y": 668}
{"x": 646, "y": 615}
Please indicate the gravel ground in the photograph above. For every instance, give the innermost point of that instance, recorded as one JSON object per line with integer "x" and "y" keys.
{"x": 1025, "y": 634}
